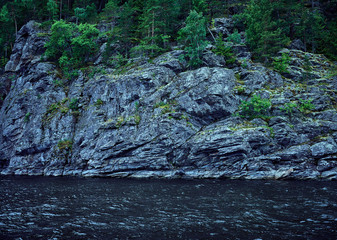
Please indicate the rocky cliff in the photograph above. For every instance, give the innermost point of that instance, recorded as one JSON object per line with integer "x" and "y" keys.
{"x": 158, "y": 119}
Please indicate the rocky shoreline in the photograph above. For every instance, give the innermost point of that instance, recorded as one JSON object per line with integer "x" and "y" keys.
{"x": 158, "y": 119}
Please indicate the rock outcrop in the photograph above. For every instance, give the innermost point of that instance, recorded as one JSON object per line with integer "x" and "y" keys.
{"x": 159, "y": 119}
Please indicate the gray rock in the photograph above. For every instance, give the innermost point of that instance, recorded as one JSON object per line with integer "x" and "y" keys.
{"x": 28, "y": 47}
{"x": 173, "y": 60}
{"x": 212, "y": 60}
{"x": 208, "y": 94}
{"x": 223, "y": 25}
{"x": 323, "y": 148}
{"x": 297, "y": 44}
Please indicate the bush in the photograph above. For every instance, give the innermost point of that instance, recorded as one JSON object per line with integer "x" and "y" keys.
{"x": 73, "y": 104}
{"x": 65, "y": 145}
{"x": 254, "y": 108}
{"x": 282, "y": 63}
{"x": 303, "y": 106}
{"x": 306, "y": 105}
{"x": 27, "y": 117}
{"x": 289, "y": 108}
{"x": 234, "y": 37}
{"x": 223, "y": 50}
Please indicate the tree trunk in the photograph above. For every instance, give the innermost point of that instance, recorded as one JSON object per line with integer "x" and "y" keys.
{"x": 152, "y": 37}
{"x": 16, "y": 26}
{"x": 60, "y": 9}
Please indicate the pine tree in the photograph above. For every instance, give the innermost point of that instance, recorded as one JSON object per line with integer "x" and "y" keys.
{"x": 311, "y": 27}
{"x": 52, "y": 8}
{"x": 329, "y": 43}
{"x": 111, "y": 10}
{"x": 193, "y": 35}
{"x": 157, "y": 22}
{"x": 263, "y": 36}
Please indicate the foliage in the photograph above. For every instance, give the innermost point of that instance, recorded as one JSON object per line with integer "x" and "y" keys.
{"x": 27, "y": 116}
{"x": 240, "y": 89}
{"x": 85, "y": 14}
{"x": 153, "y": 24}
{"x": 303, "y": 106}
{"x": 289, "y": 108}
{"x": 234, "y": 37}
{"x": 256, "y": 107}
{"x": 329, "y": 41}
{"x": 65, "y": 145}
{"x": 282, "y": 63}
{"x": 137, "y": 119}
{"x": 193, "y": 35}
{"x": 71, "y": 45}
{"x": 52, "y": 8}
{"x": 120, "y": 121}
{"x": 306, "y": 105}
{"x": 264, "y": 37}
{"x": 99, "y": 102}
{"x": 223, "y": 50}
{"x": 53, "y": 108}
{"x": 310, "y": 28}
{"x": 73, "y": 104}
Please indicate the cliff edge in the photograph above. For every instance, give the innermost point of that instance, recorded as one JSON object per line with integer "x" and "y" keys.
{"x": 158, "y": 119}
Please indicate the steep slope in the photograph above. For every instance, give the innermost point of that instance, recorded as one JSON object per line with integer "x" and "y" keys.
{"x": 158, "y": 119}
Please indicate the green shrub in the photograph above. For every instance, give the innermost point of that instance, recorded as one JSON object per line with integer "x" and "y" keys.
{"x": 65, "y": 145}
{"x": 137, "y": 105}
{"x": 73, "y": 104}
{"x": 240, "y": 89}
{"x": 117, "y": 60}
{"x": 53, "y": 108}
{"x": 254, "y": 108}
{"x": 234, "y": 37}
{"x": 306, "y": 105}
{"x": 120, "y": 121}
{"x": 99, "y": 102}
{"x": 303, "y": 106}
{"x": 137, "y": 119}
{"x": 282, "y": 63}
{"x": 289, "y": 108}
{"x": 223, "y": 50}
{"x": 27, "y": 116}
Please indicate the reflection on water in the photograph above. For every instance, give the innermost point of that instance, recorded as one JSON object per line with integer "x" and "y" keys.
{"x": 75, "y": 208}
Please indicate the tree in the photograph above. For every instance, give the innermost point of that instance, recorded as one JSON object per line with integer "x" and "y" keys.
{"x": 311, "y": 27}
{"x": 329, "y": 43}
{"x": 263, "y": 36}
{"x": 52, "y": 8}
{"x": 71, "y": 45}
{"x": 111, "y": 10}
{"x": 157, "y": 22}
{"x": 193, "y": 35}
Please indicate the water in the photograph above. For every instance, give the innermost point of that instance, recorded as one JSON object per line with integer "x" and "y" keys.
{"x": 75, "y": 208}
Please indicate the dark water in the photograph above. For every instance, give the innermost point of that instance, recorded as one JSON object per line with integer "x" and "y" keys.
{"x": 70, "y": 208}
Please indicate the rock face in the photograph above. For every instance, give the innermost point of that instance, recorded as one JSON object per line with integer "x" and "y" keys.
{"x": 160, "y": 119}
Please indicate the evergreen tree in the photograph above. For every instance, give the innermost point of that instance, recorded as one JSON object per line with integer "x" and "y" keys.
{"x": 263, "y": 36}
{"x": 157, "y": 22}
{"x": 311, "y": 27}
{"x": 111, "y": 10}
{"x": 329, "y": 43}
{"x": 193, "y": 35}
{"x": 52, "y": 8}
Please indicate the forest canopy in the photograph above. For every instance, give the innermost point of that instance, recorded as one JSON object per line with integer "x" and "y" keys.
{"x": 152, "y": 26}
